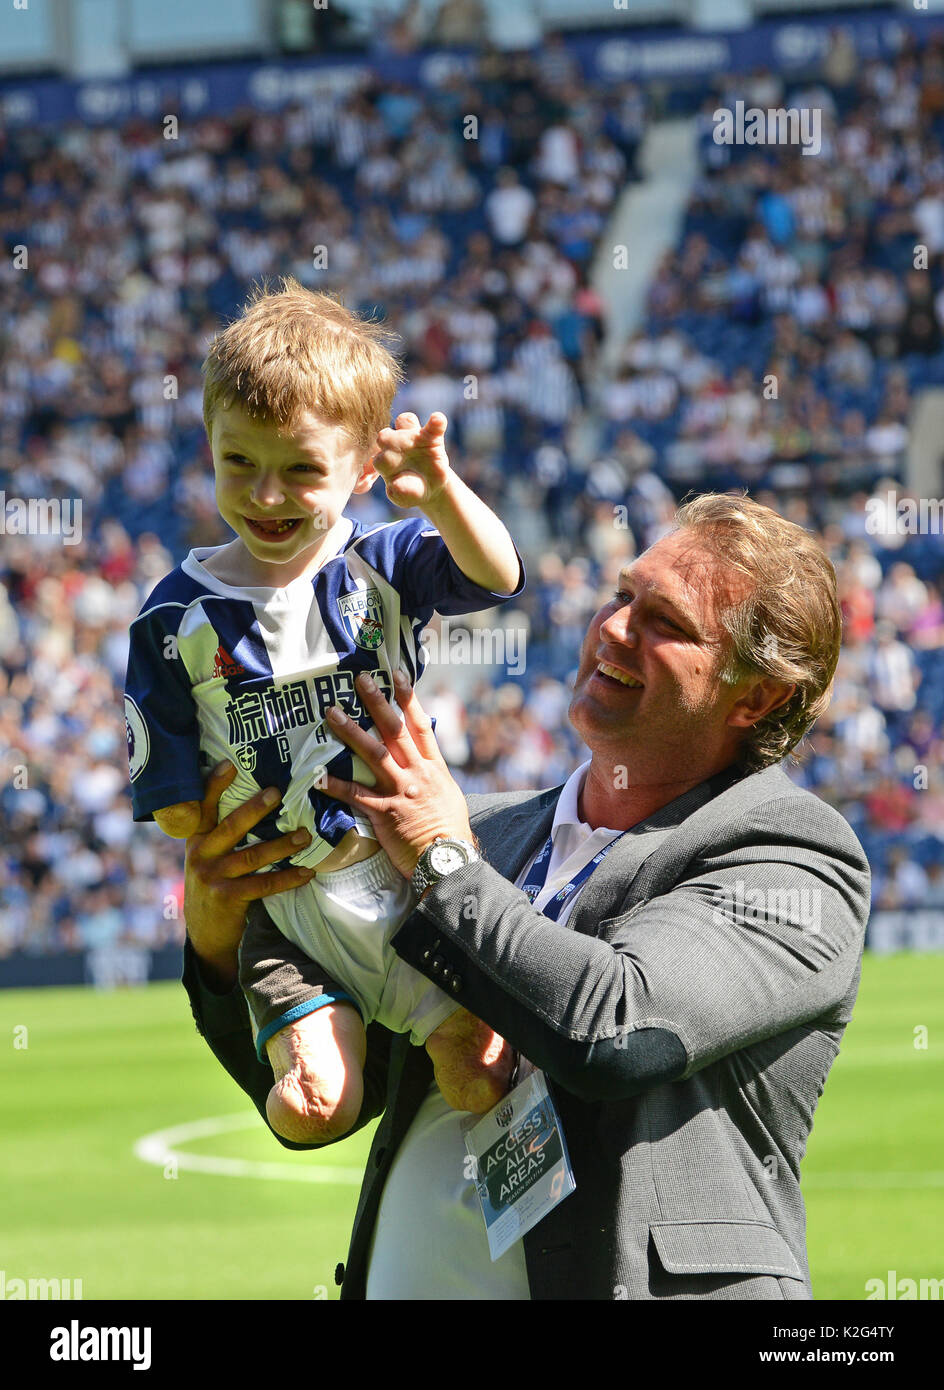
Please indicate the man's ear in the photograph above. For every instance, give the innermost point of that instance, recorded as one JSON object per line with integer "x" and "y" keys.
{"x": 762, "y": 697}
{"x": 368, "y": 475}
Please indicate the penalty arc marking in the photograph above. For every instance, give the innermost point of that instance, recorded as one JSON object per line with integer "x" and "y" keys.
{"x": 159, "y": 1149}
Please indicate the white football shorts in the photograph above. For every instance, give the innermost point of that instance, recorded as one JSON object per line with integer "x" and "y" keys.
{"x": 345, "y": 920}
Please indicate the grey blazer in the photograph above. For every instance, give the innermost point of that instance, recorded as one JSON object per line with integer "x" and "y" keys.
{"x": 687, "y": 1015}
{"x": 741, "y": 935}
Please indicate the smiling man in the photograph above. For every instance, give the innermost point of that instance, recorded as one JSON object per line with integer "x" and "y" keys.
{"x": 653, "y": 689}
{"x": 609, "y": 930}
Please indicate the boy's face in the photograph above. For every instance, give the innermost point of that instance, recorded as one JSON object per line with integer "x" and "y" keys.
{"x": 266, "y": 477}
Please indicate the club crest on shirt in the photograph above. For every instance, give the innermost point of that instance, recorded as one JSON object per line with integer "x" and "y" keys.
{"x": 139, "y": 740}
{"x": 362, "y": 613}
{"x": 246, "y": 757}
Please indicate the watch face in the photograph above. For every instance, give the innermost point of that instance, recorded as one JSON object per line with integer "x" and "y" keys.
{"x": 445, "y": 859}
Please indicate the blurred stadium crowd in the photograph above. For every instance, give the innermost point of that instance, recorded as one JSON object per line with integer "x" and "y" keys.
{"x": 477, "y": 246}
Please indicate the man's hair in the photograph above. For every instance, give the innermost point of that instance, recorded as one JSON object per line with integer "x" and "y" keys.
{"x": 790, "y": 624}
{"x": 295, "y": 350}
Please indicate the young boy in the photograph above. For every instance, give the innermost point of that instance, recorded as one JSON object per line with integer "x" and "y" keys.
{"x": 239, "y": 653}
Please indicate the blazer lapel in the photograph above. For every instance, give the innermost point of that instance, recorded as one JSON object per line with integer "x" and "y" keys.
{"x": 608, "y": 889}
{"x": 618, "y": 884}
{"x": 511, "y": 837}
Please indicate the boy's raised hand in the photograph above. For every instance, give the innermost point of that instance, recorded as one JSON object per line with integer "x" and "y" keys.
{"x": 412, "y": 459}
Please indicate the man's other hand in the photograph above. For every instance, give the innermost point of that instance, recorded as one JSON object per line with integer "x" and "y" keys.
{"x": 220, "y": 880}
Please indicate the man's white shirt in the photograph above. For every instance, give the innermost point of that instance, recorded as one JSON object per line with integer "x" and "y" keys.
{"x": 429, "y": 1239}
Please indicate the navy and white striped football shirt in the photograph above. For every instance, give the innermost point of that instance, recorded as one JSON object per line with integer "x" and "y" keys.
{"x": 247, "y": 674}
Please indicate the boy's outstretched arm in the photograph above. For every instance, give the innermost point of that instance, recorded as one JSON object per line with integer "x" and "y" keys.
{"x": 415, "y": 467}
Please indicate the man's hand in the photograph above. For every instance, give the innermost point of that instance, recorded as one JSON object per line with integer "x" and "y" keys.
{"x": 220, "y": 881}
{"x": 412, "y": 460}
{"x": 414, "y": 798}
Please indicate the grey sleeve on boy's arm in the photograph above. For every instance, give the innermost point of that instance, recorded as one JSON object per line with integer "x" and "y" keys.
{"x": 280, "y": 982}
{"x": 222, "y": 1020}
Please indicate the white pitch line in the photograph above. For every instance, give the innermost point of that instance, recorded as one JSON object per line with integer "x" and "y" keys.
{"x": 157, "y": 1148}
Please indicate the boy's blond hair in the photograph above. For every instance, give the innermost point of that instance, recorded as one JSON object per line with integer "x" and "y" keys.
{"x": 295, "y": 350}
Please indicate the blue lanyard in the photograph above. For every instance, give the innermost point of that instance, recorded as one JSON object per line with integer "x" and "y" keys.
{"x": 537, "y": 877}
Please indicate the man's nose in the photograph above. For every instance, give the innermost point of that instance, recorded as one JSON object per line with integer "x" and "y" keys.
{"x": 620, "y": 627}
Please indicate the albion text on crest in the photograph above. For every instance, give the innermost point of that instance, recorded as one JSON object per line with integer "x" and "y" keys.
{"x": 362, "y": 612}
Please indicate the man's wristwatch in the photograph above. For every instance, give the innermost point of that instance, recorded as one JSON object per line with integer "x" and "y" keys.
{"x": 440, "y": 859}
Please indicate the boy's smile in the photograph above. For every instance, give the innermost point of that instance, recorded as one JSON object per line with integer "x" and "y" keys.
{"x": 283, "y": 492}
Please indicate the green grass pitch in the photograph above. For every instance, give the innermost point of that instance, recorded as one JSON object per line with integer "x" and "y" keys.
{"x": 101, "y": 1070}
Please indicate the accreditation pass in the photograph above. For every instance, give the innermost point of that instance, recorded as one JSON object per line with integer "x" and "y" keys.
{"x": 520, "y": 1162}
